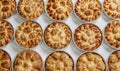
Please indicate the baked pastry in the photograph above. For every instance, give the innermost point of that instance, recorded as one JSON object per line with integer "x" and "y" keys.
{"x": 88, "y": 10}
{"x": 59, "y": 9}
{"x": 6, "y": 32}
{"x": 30, "y": 9}
{"x": 114, "y": 61}
{"x": 27, "y": 60}
{"x": 57, "y": 35}
{"x": 88, "y": 37}
{"x": 112, "y": 8}
{"x": 112, "y": 33}
{"x": 90, "y": 61}
{"x": 28, "y": 34}
{"x": 59, "y": 61}
{"x": 7, "y": 8}
{"x": 5, "y": 61}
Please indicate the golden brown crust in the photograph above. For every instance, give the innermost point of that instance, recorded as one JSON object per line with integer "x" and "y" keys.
{"x": 29, "y": 34}
{"x": 112, "y": 8}
{"x": 7, "y": 8}
{"x": 112, "y": 33}
{"x": 59, "y": 61}
{"x": 6, "y": 32}
{"x": 90, "y": 61}
{"x": 57, "y": 35}
{"x": 59, "y": 9}
{"x": 5, "y": 61}
{"x": 88, "y": 10}
{"x": 30, "y": 9}
{"x": 88, "y": 37}
{"x": 28, "y": 60}
{"x": 114, "y": 61}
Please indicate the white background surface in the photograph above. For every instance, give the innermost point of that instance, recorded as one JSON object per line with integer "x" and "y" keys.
{"x": 12, "y": 48}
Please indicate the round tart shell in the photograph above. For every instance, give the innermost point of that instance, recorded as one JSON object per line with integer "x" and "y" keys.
{"x": 25, "y": 58}
{"x": 30, "y": 32}
{"x": 6, "y": 32}
{"x": 5, "y": 61}
{"x": 112, "y": 9}
{"x": 111, "y": 34}
{"x": 53, "y": 54}
{"x": 85, "y": 53}
{"x": 113, "y": 60}
{"x": 85, "y": 12}
{"x": 8, "y": 8}
{"x": 27, "y": 12}
{"x": 87, "y": 27}
{"x": 57, "y": 11}
{"x": 54, "y": 32}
